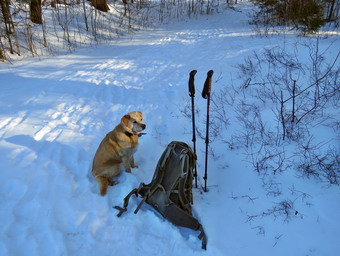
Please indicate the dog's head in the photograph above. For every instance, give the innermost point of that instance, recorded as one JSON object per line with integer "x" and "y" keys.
{"x": 133, "y": 122}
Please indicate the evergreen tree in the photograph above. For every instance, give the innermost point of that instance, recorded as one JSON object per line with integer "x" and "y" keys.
{"x": 304, "y": 15}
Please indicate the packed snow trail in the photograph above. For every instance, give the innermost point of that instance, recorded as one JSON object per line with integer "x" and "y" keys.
{"x": 54, "y": 111}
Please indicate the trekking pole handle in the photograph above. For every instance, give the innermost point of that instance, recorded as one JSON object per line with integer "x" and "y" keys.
{"x": 207, "y": 84}
{"x": 191, "y": 83}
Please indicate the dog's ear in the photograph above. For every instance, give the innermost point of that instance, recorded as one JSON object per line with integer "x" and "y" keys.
{"x": 139, "y": 113}
{"x": 125, "y": 120}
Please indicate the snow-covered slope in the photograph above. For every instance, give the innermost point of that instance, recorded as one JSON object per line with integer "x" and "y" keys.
{"x": 54, "y": 111}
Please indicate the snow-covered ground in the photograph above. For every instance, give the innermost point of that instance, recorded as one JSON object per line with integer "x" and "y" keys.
{"x": 54, "y": 111}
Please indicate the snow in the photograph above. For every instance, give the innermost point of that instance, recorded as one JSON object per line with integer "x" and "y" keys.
{"x": 54, "y": 111}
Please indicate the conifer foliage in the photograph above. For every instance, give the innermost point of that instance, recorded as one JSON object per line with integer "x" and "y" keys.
{"x": 304, "y": 15}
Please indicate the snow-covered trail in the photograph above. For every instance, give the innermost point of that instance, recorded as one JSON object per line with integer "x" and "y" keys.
{"x": 55, "y": 110}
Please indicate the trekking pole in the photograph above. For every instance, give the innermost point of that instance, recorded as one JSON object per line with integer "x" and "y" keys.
{"x": 206, "y": 95}
{"x": 192, "y": 95}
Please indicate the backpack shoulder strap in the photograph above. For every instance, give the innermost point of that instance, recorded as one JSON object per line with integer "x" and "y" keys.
{"x": 180, "y": 218}
{"x": 141, "y": 190}
{"x": 146, "y": 190}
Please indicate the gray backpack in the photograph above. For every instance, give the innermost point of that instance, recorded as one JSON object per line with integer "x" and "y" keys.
{"x": 170, "y": 191}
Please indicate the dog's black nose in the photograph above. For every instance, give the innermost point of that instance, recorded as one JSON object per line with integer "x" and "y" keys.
{"x": 143, "y": 126}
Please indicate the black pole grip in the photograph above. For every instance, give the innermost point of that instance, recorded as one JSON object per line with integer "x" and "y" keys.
{"x": 207, "y": 84}
{"x": 191, "y": 83}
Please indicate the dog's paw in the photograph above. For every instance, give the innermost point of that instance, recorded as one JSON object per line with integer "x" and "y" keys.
{"x": 134, "y": 166}
{"x": 113, "y": 182}
{"x": 128, "y": 170}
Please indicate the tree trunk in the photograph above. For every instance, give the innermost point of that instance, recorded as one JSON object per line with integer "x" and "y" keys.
{"x": 2, "y": 51}
{"x": 100, "y": 5}
{"x": 331, "y": 10}
{"x": 5, "y": 11}
{"x": 35, "y": 11}
{"x": 7, "y": 21}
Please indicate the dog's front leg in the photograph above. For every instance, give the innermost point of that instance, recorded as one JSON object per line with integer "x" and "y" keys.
{"x": 132, "y": 162}
{"x": 126, "y": 162}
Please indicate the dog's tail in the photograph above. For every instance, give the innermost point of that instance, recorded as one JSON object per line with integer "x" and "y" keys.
{"x": 103, "y": 184}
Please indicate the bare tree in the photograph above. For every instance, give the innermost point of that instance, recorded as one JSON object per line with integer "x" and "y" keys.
{"x": 2, "y": 51}
{"x": 331, "y": 9}
{"x": 7, "y": 22}
{"x": 100, "y": 5}
{"x": 35, "y": 11}
{"x": 9, "y": 26}
{"x": 74, "y": 22}
{"x": 304, "y": 95}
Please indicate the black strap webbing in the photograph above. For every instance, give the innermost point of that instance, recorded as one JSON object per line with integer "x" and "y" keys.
{"x": 126, "y": 202}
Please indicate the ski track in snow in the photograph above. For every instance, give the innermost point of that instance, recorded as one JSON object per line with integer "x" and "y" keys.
{"x": 54, "y": 112}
